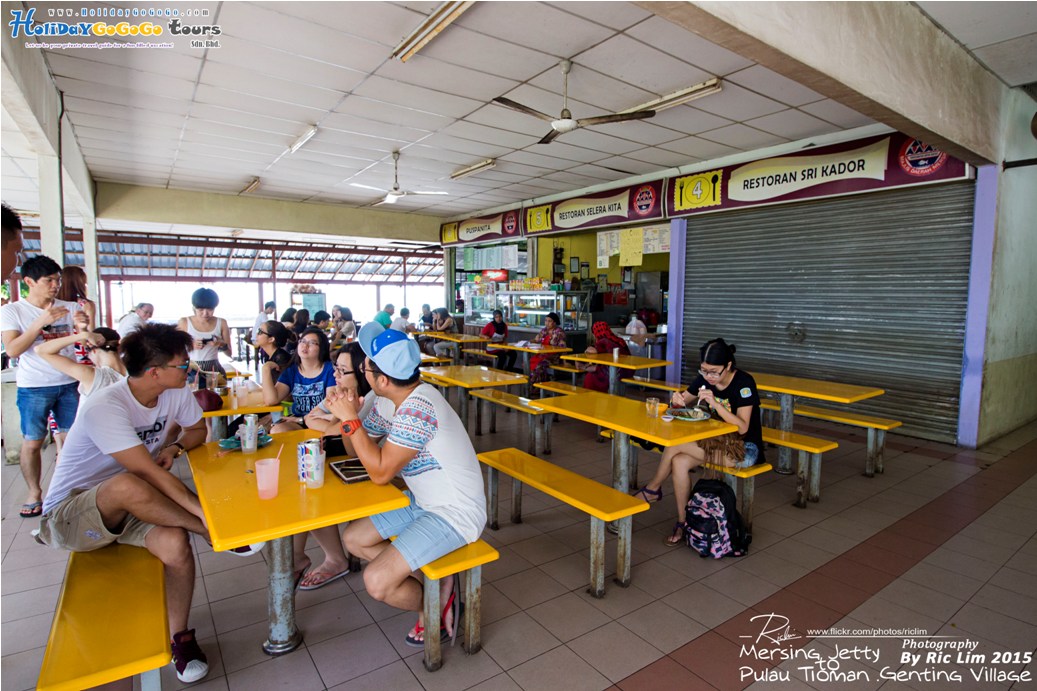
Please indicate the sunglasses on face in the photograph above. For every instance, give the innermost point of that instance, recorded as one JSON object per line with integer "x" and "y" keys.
{"x": 184, "y": 366}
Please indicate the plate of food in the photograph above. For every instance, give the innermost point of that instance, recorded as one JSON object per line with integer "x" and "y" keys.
{"x": 688, "y": 414}
{"x": 233, "y": 443}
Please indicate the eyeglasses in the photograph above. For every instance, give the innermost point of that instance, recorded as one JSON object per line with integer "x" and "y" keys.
{"x": 706, "y": 374}
{"x": 311, "y": 343}
{"x": 367, "y": 366}
{"x": 184, "y": 366}
{"x": 265, "y": 333}
{"x": 342, "y": 371}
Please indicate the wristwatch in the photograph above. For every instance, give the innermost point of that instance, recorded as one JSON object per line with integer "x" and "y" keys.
{"x": 180, "y": 449}
{"x": 350, "y": 426}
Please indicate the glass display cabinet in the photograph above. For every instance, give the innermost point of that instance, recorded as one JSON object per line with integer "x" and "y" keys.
{"x": 480, "y": 299}
{"x": 525, "y": 311}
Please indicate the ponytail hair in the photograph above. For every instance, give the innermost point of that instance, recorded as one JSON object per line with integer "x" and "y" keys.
{"x": 717, "y": 352}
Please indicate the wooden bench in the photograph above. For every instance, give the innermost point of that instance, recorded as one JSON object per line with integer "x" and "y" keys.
{"x": 601, "y": 502}
{"x": 512, "y": 402}
{"x": 110, "y": 623}
{"x": 876, "y": 426}
{"x": 568, "y": 370}
{"x": 808, "y": 469}
{"x": 559, "y": 388}
{"x": 654, "y": 384}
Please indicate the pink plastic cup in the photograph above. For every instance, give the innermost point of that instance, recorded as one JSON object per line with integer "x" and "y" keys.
{"x": 267, "y": 470}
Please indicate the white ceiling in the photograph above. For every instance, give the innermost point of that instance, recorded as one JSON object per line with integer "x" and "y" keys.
{"x": 213, "y": 119}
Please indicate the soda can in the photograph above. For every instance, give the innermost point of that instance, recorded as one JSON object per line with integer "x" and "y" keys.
{"x": 308, "y": 454}
{"x": 286, "y": 408}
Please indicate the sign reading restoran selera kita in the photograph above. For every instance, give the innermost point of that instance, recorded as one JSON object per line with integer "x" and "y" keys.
{"x": 891, "y": 160}
{"x": 612, "y": 207}
{"x": 503, "y": 226}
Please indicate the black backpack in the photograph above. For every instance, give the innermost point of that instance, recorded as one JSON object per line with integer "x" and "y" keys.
{"x": 714, "y": 526}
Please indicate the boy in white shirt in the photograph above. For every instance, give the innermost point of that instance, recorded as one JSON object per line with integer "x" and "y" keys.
{"x": 41, "y": 389}
{"x": 113, "y": 484}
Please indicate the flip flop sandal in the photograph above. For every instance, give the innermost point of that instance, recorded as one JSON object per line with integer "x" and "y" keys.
{"x": 678, "y": 532}
{"x": 649, "y": 495}
{"x": 453, "y": 603}
{"x": 31, "y": 510}
{"x": 321, "y": 584}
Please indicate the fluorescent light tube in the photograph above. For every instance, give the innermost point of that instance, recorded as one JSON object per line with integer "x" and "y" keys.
{"x": 681, "y": 97}
{"x": 252, "y": 185}
{"x": 440, "y": 19}
{"x": 307, "y": 136}
{"x": 472, "y": 170}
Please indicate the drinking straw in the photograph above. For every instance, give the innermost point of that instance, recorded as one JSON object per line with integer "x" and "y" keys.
{"x": 279, "y": 452}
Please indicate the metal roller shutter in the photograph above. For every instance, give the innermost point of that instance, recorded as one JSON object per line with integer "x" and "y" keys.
{"x": 870, "y": 290}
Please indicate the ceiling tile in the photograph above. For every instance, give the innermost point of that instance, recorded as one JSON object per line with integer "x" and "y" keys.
{"x": 247, "y": 81}
{"x": 686, "y": 120}
{"x": 624, "y": 58}
{"x": 736, "y": 103}
{"x": 1012, "y": 60}
{"x": 461, "y": 46}
{"x": 596, "y": 138}
{"x": 771, "y": 84}
{"x": 442, "y": 76}
{"x": 168, "y": 63}
{"x": 700, "y": 149}
{"x": 141, "y": 115}
{"x": 392, "y": 114}
{"x": 791, "y": 124}
{"x": 630, "y": 166}
{"x": 615, "y": 15}
{"x": 258, "y": 104}
{"x": 489, "y": 135}
{"x": 535, "y": 26}
{"x": 601, "y": 92}
{"x": 420, "y": 98}
{"x": 662, "y": 159}
{"x": 379, "y": 22}
{"x": 111, "y": 75}
{"x": 495, "y": 115}
{"x": 837, "y": 114}
{"x": 123, "y": 96}
{"x": 742, "y": 137}
{"x": 285, "y": 65}
{"x": 977, "y": 24}
{"x": 688, "y": 47}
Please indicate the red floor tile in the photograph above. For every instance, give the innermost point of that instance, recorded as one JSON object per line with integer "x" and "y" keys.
{"x": 835, "y": 595}
{"x": 860, "y": 576}
{"x": 803, "y": 612}
{"x": 881, "y": 559}
{"x": 738, "y": 628}
{"x": 901, "y": 544}
{"x": 664, "y": 673}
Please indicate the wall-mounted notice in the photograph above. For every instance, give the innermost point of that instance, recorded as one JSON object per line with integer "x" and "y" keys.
{"x": 631, "y": 246}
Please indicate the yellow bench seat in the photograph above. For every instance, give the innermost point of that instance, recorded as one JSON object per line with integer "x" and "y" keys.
{"x": 560, "y": 387}
{"x": 119, "y": 588}
{"x": 537, "y": 435}
{"x": 602, "y": 503}
{"x": 808, "y": 469}
{"x": 876, "y": 426}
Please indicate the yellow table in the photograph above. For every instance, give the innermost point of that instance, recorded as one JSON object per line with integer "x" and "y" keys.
{"x": 628, "y": 417}
{"x": 631, "y": 362}
{"x": 531, "y": 348}
{"x": 251, "y": 403}
{"x": 788, "y": 388}
{"x": 460, "y": 339}
{"x": 468, "y": 377}
{"x": 236, "y": 516}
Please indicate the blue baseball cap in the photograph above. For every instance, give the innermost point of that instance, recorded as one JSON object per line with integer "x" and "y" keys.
{"x": 393, "y": 352}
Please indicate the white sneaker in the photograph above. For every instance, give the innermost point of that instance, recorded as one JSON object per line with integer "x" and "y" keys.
{"x": 247, "y": 550}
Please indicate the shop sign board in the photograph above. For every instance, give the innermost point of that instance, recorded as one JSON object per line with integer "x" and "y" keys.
{"x": 880, "y": 162}
{"x": 503, "y": 226}
{"x": 641, "y": 202}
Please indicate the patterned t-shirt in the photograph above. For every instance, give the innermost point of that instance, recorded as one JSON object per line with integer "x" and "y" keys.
{"x": 307, "y": 392}
{"x": 444, "y": 476}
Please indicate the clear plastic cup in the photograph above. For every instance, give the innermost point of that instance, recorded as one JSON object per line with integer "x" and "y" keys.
{"x": 267, "y": 470}
{"x": 615, "y": 353}
{"x": 249, "y": 435}
{"x": 315, "y": 477}
{"x": 652, "y": 406}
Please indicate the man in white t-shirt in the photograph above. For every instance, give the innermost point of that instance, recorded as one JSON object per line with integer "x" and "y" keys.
{"x": 24, "y": 324}
{"x": 135, "y": 319}
{"x": 427, "y": 444}
{"x": 113, "y": 483}
{"x": 263, "y": 317}
{"x": 402, "y": 322}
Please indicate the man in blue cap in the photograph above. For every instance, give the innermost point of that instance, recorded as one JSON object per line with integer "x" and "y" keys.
{"x": 426, "y": 443}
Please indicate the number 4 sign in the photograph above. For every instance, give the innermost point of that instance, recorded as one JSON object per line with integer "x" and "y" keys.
{"x": 698, "y": 191}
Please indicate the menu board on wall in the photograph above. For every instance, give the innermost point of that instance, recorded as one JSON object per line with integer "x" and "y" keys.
{"x": 653, "y": 240}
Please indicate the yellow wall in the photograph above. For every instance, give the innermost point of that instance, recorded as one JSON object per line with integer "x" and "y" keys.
{"x": 585, "y": 246}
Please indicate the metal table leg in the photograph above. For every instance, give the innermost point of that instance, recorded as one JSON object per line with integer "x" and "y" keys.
{"x": 219, "y": 427}
{"x": 463, "y": 395}
{"x": 613, "y": 381}
{"x": 784, "y": 466}
{"x": 283, "y": 636}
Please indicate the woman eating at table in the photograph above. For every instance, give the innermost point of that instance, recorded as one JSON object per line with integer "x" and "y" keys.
{"x": 597, "y": 377}
{"x": 731, "y": 395}
{"x": 497, "y": 332}
{"x": 305, "y": 381}
{"x": 550, "y": 336}
{"x": 209, "y": 333}
{"x": 348, "y": 377}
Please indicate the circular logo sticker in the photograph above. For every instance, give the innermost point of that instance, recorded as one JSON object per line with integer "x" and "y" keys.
{"x": 644, "y": 200}
{"x": 919, "y": 159}
{"x": 510, "y": 223}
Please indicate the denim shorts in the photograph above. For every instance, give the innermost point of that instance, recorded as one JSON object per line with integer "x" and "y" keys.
{"x": 752, "y": 452}
{"x": 35, "y": 403}
{"x": 421, "y": 537}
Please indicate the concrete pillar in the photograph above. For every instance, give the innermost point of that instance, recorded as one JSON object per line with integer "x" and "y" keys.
{"x": 92, "y": 268}
{"x": 52, "y": 209}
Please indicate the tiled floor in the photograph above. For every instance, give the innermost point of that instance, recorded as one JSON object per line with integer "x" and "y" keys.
{"x": 942, "y": 542}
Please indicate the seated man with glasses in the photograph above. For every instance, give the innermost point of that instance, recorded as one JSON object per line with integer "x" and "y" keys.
{"x": 113, "y": 483}
{"x": 428, "y": 446}
{"x": 729, "y": 394}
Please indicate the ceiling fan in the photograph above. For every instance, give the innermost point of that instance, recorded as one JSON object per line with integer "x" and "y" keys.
{"x": 566, "y": 123}
{"x": 392, "y": 195}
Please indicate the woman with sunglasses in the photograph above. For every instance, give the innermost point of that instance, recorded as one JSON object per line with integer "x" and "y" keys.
{"x": 729, "y": 394}
{"x": 101, "y": 346}
{"x": 305, "y": 381}
{"x": 348, "y": 377}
